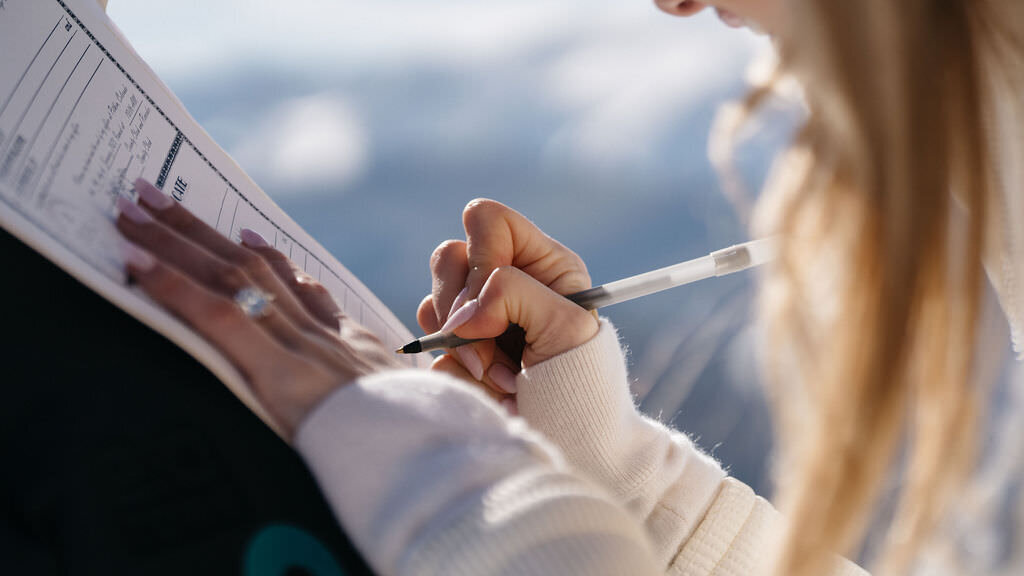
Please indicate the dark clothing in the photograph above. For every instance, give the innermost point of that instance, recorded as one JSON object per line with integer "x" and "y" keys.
{"x": 120, "y": 454}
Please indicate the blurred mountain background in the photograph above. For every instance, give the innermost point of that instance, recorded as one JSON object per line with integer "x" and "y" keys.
{"x": 373, "y": 122}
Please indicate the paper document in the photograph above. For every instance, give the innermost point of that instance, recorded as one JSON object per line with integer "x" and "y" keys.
{"x": 81, "y": 117}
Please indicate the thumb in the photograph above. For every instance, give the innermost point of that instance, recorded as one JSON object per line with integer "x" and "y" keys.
{"x": 552, "y": 324}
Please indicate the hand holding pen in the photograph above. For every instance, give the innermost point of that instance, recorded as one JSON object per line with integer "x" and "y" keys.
{"x": 515, "y": 274}
{"x": 507, "y": 271}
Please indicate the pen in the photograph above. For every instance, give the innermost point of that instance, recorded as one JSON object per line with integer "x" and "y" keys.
{"x": 718, "y": 263}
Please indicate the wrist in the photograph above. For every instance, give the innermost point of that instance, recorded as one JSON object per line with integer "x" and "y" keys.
{"x": 577, "y": 397}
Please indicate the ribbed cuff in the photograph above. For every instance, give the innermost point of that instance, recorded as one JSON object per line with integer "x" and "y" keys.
{"x": 581, "y": 401}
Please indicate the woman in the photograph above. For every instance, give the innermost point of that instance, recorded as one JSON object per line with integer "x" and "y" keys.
{"x": 902, "y": 188}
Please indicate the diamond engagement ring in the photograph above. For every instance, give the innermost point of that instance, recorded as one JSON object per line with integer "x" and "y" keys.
{"x": 255, "y": 303}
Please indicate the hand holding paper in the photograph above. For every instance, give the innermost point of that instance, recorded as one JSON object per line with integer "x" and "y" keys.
{"x": 82, "y": 117}
{"x": 291, "y": 356}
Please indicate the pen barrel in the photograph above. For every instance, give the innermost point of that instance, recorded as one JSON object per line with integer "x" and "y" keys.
{"x": 441, "y": 340}
{"x": 718, "y": 263}
{"x": 591, "y": 298}
{"x": 644, "y": 284}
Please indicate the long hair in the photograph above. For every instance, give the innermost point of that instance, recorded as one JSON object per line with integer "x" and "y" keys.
{"x": 872, "y": 309}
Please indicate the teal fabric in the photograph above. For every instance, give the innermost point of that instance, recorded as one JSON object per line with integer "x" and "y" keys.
{"x": 279, "y": 549}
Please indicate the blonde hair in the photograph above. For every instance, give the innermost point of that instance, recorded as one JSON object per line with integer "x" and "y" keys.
{"x": 872, "y": 310}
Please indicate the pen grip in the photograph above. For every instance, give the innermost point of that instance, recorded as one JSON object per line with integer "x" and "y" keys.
{"x": 590, "y": 298}
{"x": 513, "y": 340}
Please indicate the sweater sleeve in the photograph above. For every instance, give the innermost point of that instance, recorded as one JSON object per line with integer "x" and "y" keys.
{"x": 698, "y": 520}
{"x": 429, "y": 476}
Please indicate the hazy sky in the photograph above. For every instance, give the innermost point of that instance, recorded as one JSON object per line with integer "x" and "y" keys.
{"x": 614, "y": 71}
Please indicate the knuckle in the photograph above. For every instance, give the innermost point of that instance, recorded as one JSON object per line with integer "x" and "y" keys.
{"x": 230, "y": 277}
{"x": 504, "y": 274}
{"x": 253, "y": 264}
{"x": 307, "y": 284}
{"x": 444, "y": 252}
{"x": 500, "y": 279}
{"x": 426, "y": 316}
{"x": 334, "y": 325}
{"x": 219, "y": 314}
{"x": 426, "y": 305}
{"x": 271, "y": 255}
{"x": 573, "y": 281}
{"x": 482, "y": 207}
{"x": 182, "y": 220}
{"x": 319, "y": 289}
{"x": 578, "y": 263}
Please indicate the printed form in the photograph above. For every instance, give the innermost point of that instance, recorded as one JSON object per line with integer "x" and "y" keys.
{"x": 82, "y": 117}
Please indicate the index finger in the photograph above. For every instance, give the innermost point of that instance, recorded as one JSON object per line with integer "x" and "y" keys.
{"x": 497, "y": 236}
{"x": 179, "y": 219}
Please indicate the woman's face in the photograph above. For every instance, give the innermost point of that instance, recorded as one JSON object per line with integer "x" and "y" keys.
{"x": 761, "y": 14}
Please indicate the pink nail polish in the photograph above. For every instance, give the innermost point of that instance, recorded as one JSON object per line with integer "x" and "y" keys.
{"x": 471, "y": 361}
{"x": 152, "y": 196}
{"x": 459, "y": 301}
{"x": 252, "y": 239}
{"x": 503, "y": 377}
{"x": 137, "y": 258}
{"x": 461, "y": 316}
{"x": 132, "y": 212}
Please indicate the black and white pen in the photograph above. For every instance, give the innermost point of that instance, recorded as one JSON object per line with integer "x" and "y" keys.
{"x": 718, "y": 263}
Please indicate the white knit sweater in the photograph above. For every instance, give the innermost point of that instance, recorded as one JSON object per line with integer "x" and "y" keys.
{"x": 429, "y": 476}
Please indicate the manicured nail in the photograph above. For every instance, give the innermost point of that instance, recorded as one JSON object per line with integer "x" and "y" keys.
{"x": 252, "y": 239}
{"x": 137, "y": 258}
{"x": 503, "y": 377}
{"x": 459, "y": 301}
{"x": 461, "y": 316}
{"x": 510, "y": 406}
{"x": 471, "y": 361}
{"x": 132, "y": 212}
{"x": 156, "y": 199}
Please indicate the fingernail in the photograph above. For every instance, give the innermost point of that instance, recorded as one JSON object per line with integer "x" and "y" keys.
{"x": 137, "y": 258}
{"x": 252, "y": 239}
{"x": 461, "y": 316}
{"x": 503, "y": 377}
{"x": 132, "y": 212}
{"x": 510, "y": 406}
{"x": 152, "y": 196}
{"x": 459, "y": 301}
{"x": 471, "y": 361}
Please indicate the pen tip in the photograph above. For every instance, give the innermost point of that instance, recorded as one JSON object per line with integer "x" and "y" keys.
{"x": 414, "y": 347}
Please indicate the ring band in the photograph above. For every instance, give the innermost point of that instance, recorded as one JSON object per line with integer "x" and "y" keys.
{"x": 255, "y": 303}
